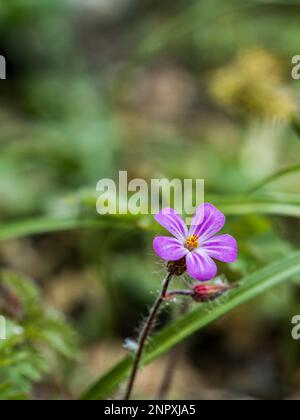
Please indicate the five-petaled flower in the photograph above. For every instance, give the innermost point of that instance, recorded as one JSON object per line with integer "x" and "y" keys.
{"x": 199, "y": 244}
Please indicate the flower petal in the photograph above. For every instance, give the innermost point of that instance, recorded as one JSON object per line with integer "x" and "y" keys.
{"x": 200, "y": 266}
{"x": 172, "y": 221}
{"x": 207, "y": 221}
{"x": 169, "y": 249}
{"x": 223, "y": 248}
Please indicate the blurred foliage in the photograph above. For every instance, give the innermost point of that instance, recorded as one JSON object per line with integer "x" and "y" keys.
{"x": 95, "y": 87}
{"x": 35, "y": 335}
{"x": 254, "y": 84}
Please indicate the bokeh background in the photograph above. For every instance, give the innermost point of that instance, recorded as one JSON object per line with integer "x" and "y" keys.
{"x": 162, "y": 89}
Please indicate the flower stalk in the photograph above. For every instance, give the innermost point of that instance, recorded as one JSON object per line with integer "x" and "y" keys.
{"x": 145, "y": 334}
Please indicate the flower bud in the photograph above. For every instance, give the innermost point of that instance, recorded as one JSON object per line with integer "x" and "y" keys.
{"x": 204, "y": 292}
{"x": 209, "y": 292}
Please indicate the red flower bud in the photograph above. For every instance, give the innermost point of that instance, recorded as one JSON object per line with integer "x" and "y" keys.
{"x": 204, "y": 292}
{"x": 209, "y": 292}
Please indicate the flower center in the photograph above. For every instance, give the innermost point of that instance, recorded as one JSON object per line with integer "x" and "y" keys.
{"x": 192, "y": 242}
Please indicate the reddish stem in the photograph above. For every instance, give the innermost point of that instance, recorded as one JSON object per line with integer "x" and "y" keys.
{"x": 145, "y": 333}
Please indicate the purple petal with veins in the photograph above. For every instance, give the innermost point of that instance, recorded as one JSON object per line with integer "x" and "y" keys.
{"x": 200, "y": 266}
{"x": 212, "y": 221}
{"x": 169, "y": 249}
{"x": 172, "y": 221}
{"x": 223, "y": 248}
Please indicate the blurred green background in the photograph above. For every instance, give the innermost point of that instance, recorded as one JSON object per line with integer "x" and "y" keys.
{"x": 162, "y": 89}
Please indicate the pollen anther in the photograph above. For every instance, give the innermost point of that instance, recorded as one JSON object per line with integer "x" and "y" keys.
{"x": 192, "y": 242}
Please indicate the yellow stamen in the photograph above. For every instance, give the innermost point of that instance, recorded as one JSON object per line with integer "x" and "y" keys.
{"x": 192, "y": 242}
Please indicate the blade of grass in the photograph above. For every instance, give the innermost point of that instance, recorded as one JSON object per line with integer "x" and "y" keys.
{"x": 252, "y": 286}
{"x": 274, "y": 177}
{"x": 279, "y": 205}
{"x": 43, "y": 225}
{"x": 269, "y": 204}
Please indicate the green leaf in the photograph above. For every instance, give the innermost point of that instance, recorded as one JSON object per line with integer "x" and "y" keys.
{"x": 250, "y": 287}
{"x": 278, "y": 204}
{"x": 47, "y": 225}
{"x": 275, "y": 177}
{"x": 275, "y": 204}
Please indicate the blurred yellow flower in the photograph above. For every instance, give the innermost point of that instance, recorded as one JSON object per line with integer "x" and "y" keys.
{"x": 254, "y": 84}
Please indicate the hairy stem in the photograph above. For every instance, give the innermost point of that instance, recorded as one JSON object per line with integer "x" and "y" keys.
{"x": 174, "y": 293}
{"x": 145, "y": 333}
